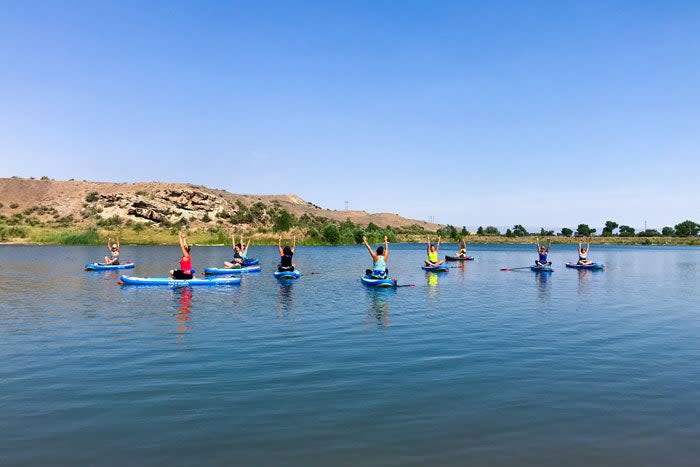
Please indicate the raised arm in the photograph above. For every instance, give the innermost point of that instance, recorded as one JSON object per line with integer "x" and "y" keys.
{"x": 537, "y": 239}
{"x": 386, "y": 248}
{"x": 109, "y": 243}
{"x": 183, "y": 243}
{"x": 427, "y": 245}
{"x": 294, "y": 244}
{"x": 437, "y": 247}
{"x": 369, "y": 248}
{"x": 233, "y": 240}
{"x": 279, "y": 246}
{"x": 119, "y": 245}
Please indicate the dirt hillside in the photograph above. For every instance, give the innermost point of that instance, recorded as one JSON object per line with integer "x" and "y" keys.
{"x": 84, "y": 202}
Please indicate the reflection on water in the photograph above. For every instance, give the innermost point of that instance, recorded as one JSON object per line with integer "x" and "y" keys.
{"x": 285, "y": 299}
{"x": 183, "y": 296}
{"x": 543, "y": 284}
{"x": 379, "y": 306}
{"x": 432, "y": 279}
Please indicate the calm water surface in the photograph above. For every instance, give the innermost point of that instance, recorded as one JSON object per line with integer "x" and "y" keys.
{"x": 475, "y": 366}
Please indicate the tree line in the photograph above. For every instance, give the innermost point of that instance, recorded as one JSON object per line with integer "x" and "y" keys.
{"x": 610, "y": 229}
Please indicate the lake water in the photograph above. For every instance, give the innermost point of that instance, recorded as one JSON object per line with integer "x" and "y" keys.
{"x": 472, "y": 367}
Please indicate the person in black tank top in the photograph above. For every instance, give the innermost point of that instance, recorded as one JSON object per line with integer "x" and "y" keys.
{"x": 286, "y": 255}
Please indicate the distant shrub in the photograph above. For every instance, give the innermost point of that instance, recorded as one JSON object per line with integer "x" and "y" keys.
{"x": 86, "y": 237}
{"x": 284, "y": 221}
{"x": 45, "y": 177}
{"x": 138, "y": 227}
{"x": 12, "y": 232}
{"x": 14, "y": 205}
{"x": 91, "y": 197}
{"x": 331, "y": 234}
{"x": 206, "y": 218}
{"x": 110, "y": 221}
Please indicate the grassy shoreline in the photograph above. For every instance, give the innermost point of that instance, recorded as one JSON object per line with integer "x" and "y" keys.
{"x": 40, "y": 235}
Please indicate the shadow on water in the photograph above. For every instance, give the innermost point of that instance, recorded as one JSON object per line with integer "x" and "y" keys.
{"x": 379, "y": 306}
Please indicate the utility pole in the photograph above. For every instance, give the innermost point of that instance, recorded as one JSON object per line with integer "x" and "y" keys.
{"x": 645, "y": 226}
{"x": 347, "y": 203}
{"x": 431, "y": 219}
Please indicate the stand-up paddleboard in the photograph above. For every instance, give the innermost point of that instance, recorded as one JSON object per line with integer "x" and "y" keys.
{"x": 287, "y": 275}
{"x": 107, "y": 267}
{"x": 130, "y": 280}
{"x": 585, "y": 266}
{"x": 227, "y": 271}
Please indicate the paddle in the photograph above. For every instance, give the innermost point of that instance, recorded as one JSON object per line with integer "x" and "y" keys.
{"x": 513, "y": 269}
{"x": 405, "y": 285}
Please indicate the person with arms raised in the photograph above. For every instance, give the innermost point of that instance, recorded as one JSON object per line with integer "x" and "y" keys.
{"x": 379, "y": 258}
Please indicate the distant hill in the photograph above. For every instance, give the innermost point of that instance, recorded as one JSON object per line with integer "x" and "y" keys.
{"x": 88, "y": 203}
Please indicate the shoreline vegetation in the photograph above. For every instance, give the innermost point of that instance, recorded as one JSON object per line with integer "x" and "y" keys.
{"x": 44, "y": 235}
{"x": 69, "y": 212}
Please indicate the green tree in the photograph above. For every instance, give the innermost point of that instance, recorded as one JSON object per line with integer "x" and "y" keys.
{"x": 520, "y": 231}
{"x": 566, "y": 232}
{"x": 92, "y": 196}
{"x": 331, "y": 233}
{"x": 206, "y": 218}
{"x": 464, "y": 231}
{"x": 546, "y": 233}
{"x": 509, "y": 233}
{"x": 584, "y": 231}
{"x": 283, "y": 222}
{"x": 448, "y": 231}
{"x": 609, "y": 229}
{"x": 626, "y": 231}
{"x": 491, "y": 230}
{"x": 372, "y": 227}
{"x": 668, "y": 231}
{"x": 687, "y": 229}
{"x": 649, "y": 233}
{"x": 480, "y": 231}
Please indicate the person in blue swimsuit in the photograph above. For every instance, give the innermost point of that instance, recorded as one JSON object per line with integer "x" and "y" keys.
{"x": 379, "y": 259}
{"x": 542, "y": 252}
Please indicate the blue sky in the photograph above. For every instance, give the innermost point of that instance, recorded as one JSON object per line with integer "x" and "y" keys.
{"x": 476, "y": 113}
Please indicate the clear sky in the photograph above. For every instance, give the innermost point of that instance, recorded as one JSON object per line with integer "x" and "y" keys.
{"x": 476, "y": 113}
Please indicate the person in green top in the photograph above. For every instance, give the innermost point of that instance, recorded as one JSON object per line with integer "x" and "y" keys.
{"x": 379, "y": 259}
{"x": 433, "y": 251}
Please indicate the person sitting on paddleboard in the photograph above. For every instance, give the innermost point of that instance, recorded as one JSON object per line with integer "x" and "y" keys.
{"x": 542, "y": 251}
{"x": 244, "y": 248}
{"x": 286, "y": 254}
{"x": 433, "y": 250}
{"x": 238, "y": 258}
{"x": 185, "y": 271}
{"x": 114, "y": 250}
{"x": 462, "y": 249}
{"x": 379, "y": 269}
{"x": 583, "y": 253}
